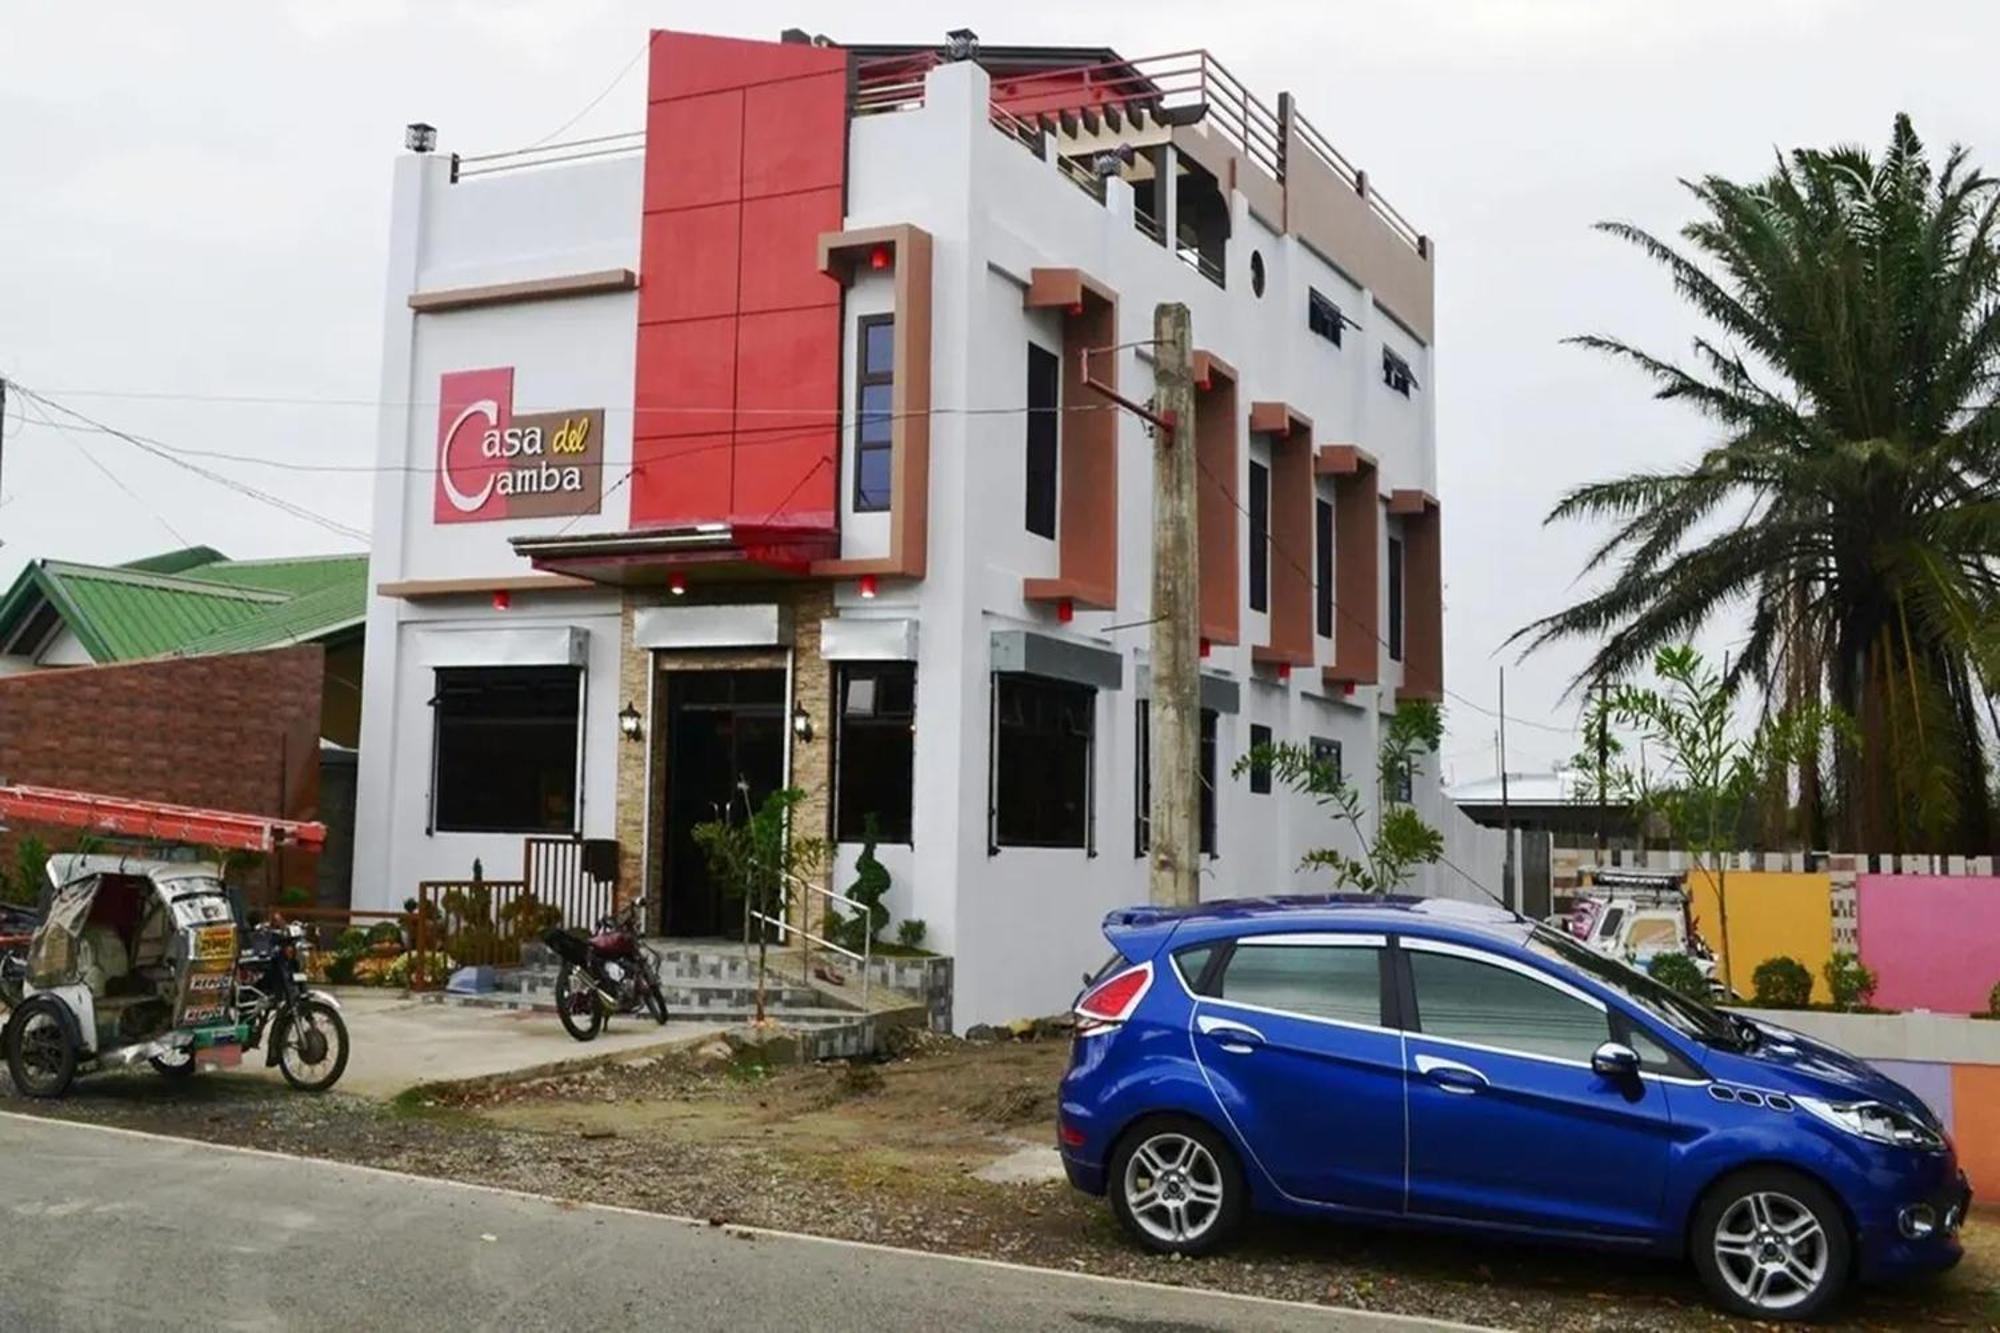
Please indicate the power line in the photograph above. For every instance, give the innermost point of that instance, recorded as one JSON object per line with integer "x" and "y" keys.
{"x": 109, "y": 475}
{"x": 591, "y": 105}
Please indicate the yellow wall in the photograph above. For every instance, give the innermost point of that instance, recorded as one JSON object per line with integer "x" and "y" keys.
{"x": 1769, "y": 914}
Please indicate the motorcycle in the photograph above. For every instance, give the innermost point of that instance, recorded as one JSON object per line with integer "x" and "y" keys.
{"x": 308, "y": 1036}
{"x": 603, "y": 974}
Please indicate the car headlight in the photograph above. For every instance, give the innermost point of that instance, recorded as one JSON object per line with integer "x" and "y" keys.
{"x": 1876, "y": 1121}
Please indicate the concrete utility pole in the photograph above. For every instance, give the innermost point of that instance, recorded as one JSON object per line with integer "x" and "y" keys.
{"x": 1175, "y": 716}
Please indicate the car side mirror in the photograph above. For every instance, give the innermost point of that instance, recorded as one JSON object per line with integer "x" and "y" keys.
{"x": 1615, "y": 1060}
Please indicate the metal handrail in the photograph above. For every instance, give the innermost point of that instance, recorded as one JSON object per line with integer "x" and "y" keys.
{"x": 1081, "y": 177}
{"x": 1351, "y": 175}
{"x": 786, "y": 929}
{"x": 1149, "y": 226}
{"x": 576, "y": 150}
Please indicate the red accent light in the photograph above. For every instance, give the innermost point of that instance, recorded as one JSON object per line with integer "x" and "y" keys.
{"x": 1076, "y": 308}
{"x": 1203, "y": 384}
{"x": 879, "y": 257}
{"x": 1205, "y": 646}
{"x": 1112, "y": 1002}
{"x": 868, "y": 586}
{"x": 1071, "y": 1136}
{"x": 1347, "y": 687}
{"x": 502, "y": 599}
{"x": 678, "y": 585}
{"x": 1065, "y": 610}
{"x": 1284, "y": 671}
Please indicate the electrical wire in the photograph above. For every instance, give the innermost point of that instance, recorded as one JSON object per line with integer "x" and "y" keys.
{"x": 592, "y": 104}
{"x": 109, "y": 475}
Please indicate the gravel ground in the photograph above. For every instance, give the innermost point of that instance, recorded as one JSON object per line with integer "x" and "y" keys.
{"x": 885, "y": 1154}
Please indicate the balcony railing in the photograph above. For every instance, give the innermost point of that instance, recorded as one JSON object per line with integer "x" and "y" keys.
{"x": 546, "y": 155}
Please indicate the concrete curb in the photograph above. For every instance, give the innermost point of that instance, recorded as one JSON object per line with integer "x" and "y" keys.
{"x": 555, "y": 1068}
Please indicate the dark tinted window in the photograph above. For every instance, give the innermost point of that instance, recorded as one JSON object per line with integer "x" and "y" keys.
{"x": 1193, "y": 964}
{"x": 1462, "y": 999}
{"x": 1326, "y": 754}
{"x": 1142, "y": 831}
{"x": 1044, "y": 425}
{"x": 875, "y": 741}
{"x": 1324, "y": 981}
{"x": 1260, "y": 537}
{"x": 1260, "y": 770}
{"x": 1042, "y": 734}
{"x": 1323, "y": 566}
{"x": 874, "y": 395}
{"x": 1323, "y": 316}
{"x": 505, "y": 750}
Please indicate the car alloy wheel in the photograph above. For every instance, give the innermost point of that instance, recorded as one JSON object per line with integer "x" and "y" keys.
{"x": 1173, "y": 1188}
{"x": 1771, "y": 1250}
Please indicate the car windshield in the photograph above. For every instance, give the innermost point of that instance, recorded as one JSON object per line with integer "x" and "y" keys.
{"x": 1687, "y": 1016}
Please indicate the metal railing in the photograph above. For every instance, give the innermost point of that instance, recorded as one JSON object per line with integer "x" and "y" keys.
{"x": 1201, "y": 263}
{"x": 1357, "y": 180}
{"x": 891, "y": 83}
{"x": 786, "y": 929}
{"x": 1149, "y": 226}
{"x": 544, "y": 155}
{"x": 1082, "y": 177}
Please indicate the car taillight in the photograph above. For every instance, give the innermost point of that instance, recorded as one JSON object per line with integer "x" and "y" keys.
{"x": 1111, "y": 1002}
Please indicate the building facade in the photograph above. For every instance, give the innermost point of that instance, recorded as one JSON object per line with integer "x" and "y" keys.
{"x": 758, "y": 450}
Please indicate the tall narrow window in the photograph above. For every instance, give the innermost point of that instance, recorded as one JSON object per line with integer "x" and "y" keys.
{"x": 1044, "y": 390}
{"x": 1323, "y": 565}
{"x": 1395, "y": 599}
{"x": 1260, "y": 768}
{"x": 1260, "y": 537}
{"x": 874, "y": 749}
{"x": 874, "y": 392}
{"x": 506, "y": 750}
{"x": 1323, "y": 316}
{"x": 1142, "y": 825}
{"x": 1396, "y": 373}
{"x": 1043, "y": 732}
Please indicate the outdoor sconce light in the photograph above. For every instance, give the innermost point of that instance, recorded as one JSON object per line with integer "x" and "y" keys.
{"x": 628, "y": 722}
{"x": 1284, "y": 671}
{"x": 502, "y": 599}
{"x": 419, "y": 137}
{"x": 678, "y": 585}
{"x": 961, "y": 44}
{"x": 802, "y": 724}
{"x": 1065, "y": 611}
{"x": 867, "y": 587}
{"x": 880, "y": 257}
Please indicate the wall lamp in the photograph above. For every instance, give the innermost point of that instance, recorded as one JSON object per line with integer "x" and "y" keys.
{"x": 802, "y": 724}
{"x": 629, "y": 725}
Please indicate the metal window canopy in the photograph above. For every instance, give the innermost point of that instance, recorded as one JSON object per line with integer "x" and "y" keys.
{"x": 1028, "y": 653}
{"x": 719, "y": 551}
{"x": 504, "y": 646}
{"x": 1219, "y": 693}
{"x": 867, "y": 639}
{"x": 723, "y": 625}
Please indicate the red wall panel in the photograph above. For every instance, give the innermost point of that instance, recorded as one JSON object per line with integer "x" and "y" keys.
{"x": 738, "y": 378}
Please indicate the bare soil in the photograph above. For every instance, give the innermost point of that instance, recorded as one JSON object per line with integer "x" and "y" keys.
{"x": 886, "y": 1153}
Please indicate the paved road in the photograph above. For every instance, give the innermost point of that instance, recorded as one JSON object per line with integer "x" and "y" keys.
{"x": 111, "y": 1230}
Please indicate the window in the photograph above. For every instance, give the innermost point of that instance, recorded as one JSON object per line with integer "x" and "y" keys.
{"x": 1042, "y": 735}
{"x": 1396, "y": 373}
{"x": 1462, "y": 999}
{"x": 1321, "y": 980}
{"x": 1612, "y": 920}
{"x": 1193, "y": 965}
{"x": 505, "y": 750}
{"x": 1142, "y": 824}
{"x": 1323, "y": 316}
{"x": 1323, "y": 565}
{"x": 1044, "y": 394}
{"x": 1326, "y": 755}
{"x": 874, "y": 748}
{"x": 1395, "y": 599}
{"x": 1260, "y": 769}
{"x": 874, "y": 392}
{"x": 1256, "y": 273}
{"x": 1260, "y": 537}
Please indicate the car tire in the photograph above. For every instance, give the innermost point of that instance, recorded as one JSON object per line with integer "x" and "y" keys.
{"x": 1176, "y": 1186}
{"x": 1771, "y": 1244}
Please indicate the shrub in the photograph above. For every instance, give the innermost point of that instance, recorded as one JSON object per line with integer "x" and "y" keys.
{"x": 385, "y": 932}
{"x": 871, "y": 883}
{"x": 1850, "y": 983}
{"x": 1993, "y": 1001}
{"x": 438, "y": 968}
{"x": 1782, "y": 983}
{"x": 352, "y": 942}
{"x": 295, "y": 896}
{"x": 1680, "y": 973}
{"x": 910, "y": 934}
{"x": 340, "y": 968}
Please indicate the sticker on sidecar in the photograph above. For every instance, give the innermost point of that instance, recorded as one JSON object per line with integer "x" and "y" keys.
{"x": 213, "y": 943}
{"x": 210, "y": 981}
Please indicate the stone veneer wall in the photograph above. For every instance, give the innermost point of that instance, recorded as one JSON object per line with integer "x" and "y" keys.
{"x": 641, "y": 811}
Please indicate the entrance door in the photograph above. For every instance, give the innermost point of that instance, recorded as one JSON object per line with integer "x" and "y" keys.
{"x": 725, "y": 754}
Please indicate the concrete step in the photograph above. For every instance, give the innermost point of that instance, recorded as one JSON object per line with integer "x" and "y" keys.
{"x": 799, "y": 1016}
{"x": 697, "y": 995}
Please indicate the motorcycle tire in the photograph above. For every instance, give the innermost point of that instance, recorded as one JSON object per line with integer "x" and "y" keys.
{"x": 578, "y": 1005}
{"x": 41, "y": 1053}
{"x": 176, "y": 1070}
{"x": 312, "y": 1046}
{"x": 656, "y": 1003}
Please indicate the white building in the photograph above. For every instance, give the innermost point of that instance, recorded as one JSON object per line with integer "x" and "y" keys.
{"x": 729, "y": 428}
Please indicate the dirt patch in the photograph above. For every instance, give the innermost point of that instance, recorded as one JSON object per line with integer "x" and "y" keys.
{"x": 887, "y": 1153}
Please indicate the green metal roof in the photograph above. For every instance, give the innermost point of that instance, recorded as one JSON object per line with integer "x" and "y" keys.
{"x": 205, "y": 604}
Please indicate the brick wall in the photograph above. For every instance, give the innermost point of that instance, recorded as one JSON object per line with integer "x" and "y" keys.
{"x": 236, "y": 732}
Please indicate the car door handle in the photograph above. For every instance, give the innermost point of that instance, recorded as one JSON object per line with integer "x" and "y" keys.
{"x": 1450, "y": 1075}
{"x": 1236, "y": 1038}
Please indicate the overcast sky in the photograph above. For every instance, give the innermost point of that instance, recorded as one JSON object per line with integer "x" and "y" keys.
{"x": 196, "y": 203}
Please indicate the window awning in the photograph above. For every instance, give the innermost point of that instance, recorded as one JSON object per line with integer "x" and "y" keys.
{"x": 1059, "y": 659}
{"x": 523, "y": 645}
{"x": 653, "y": 555}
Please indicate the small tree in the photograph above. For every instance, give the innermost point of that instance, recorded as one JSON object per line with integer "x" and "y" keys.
{"x": 1401, "y": 840}
{"x": 1849, "y": 981}
{"x": 1678, "y": 972}
{"x": 1782, "y": 983}
{"x": 758, "y": 861}
{"x": 1711, "y": 770}
{"x": 871, "y": 884}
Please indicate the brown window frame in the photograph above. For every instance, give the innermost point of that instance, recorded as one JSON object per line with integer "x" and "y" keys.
{"x": 865, "y": 379}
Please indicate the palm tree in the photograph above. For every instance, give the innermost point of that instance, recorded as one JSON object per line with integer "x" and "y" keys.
{"x": 1851, "y": 501}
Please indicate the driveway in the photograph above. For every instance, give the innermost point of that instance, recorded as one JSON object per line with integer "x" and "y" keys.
{"x": 398, "y": 1042}
{"x": 111, "y": 1230}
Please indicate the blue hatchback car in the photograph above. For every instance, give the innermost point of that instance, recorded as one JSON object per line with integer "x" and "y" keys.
{"x": 1433, "y": 1063}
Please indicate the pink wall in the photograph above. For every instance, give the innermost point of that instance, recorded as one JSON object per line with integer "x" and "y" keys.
{"x": 1933, "y": 941}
